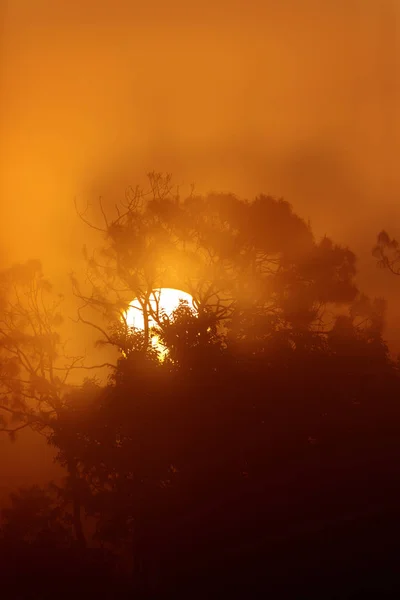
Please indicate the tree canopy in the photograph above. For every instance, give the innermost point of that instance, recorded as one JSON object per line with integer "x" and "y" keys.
{"x": 240, "y": 261}
{"x": 274, "y": 406}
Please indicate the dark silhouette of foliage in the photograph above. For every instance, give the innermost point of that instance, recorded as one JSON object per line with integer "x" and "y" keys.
{"x": 39, "y": 553}
{"x": 282, "y": 366}
{"x": 387, "y": 252}
{"x": 177, "y": 458}
{"x": 37, "y": 515}
{"x": 258, "y": 452}
{"x": 231, "y": 255}
{"x": 34, "y": 366}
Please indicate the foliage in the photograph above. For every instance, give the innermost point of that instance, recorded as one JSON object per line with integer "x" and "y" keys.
{"x": 173, "y": 456}
{"x": 34, "y": 369}
{"x": 231, "y": 255}
{"x": 387, "y": 252}
{"x": 34, "y": 366}
{"x": 36, "y": 515}
{"x": 274, "y": 401}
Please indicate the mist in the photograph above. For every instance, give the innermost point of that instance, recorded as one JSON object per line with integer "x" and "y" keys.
{"x": 294, "y": 99}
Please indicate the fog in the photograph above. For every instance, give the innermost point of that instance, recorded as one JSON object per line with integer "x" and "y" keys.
{"x": 296, "y": 99}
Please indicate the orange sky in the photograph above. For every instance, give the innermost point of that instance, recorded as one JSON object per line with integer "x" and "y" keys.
{"x": 285, "y": 97}
{"x": 295, "y": 98}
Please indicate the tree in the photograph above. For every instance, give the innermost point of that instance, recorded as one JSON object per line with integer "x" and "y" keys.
{"x": 177, "y": 453}
{"x": 277, "y": 371}
{"x": 39, "y": 552}
{"x": 37, "y": 515}
{"x": 240, "y": 260}
{"x": 281, "y": 349}
{"x": 387, "y": 252}
{"x": 35, "y": 369}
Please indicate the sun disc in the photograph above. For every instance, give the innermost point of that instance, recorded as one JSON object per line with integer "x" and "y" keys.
{"x": 162, "y": 301}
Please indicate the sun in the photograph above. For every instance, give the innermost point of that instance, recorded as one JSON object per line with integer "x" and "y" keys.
{"x": 162, "y": 301}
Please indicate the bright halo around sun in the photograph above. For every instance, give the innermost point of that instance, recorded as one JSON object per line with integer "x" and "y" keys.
{"x": 162, "y": 301}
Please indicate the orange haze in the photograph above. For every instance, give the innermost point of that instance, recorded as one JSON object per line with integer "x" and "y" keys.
{"x": 291, "y": 98}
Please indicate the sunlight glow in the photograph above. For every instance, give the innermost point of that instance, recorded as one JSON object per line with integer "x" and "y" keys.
{"x": 163, "y": 301}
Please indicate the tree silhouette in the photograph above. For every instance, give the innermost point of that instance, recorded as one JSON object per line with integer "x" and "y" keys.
{"x": 283, "y": 355}
{"x": 387, "y": 252}
{"x": 39, "y": 553}
{"x": 274, "y": 410}
{"x": 177, "y": 453}
{"x": 238, "y": 259}
{"x": 37, "y": 515}
{"x": 34, "y": 366}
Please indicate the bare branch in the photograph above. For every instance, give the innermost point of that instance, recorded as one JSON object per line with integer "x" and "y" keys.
{"x": 81, "y": 215}
{"x": 14, "y": 429}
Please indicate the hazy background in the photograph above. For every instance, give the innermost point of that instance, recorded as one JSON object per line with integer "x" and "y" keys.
{"x": 297, "y": 98}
